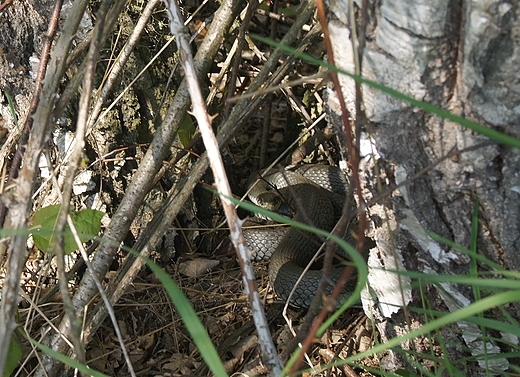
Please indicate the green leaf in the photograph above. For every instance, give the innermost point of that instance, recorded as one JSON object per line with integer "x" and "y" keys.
{"x": 186, "y": 130}
{"x": 44, "y": 222}
{"x": 14, "y": 355}
{"x": 87, "y": 223}
{"x": 11, "y": 106}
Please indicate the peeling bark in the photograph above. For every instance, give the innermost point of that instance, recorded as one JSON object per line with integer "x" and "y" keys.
{"x": 461, "y": 56}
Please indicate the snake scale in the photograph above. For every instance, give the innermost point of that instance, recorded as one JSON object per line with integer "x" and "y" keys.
{"x": 312, "y": 194}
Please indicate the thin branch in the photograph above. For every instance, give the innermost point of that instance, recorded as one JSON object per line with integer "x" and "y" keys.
{"x": 238, "y": 56}
{"x": 120, "y": 61}
{"x": 316, "y": 78}
{"x": 354, "y": 159}
{"x": 267, "y": 346}
{"x": 38, "y": 84}
{"x": 143, "y": 178}
{"x": 72, "y": 87}
{"x": 5, "y": 4}
{"x": 22, "y": 200}
{"x": 108, "y": 305}
{"x": 72, "y": 167}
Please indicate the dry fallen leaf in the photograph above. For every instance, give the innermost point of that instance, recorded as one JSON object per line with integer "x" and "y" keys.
{"x": 197, "y": 267}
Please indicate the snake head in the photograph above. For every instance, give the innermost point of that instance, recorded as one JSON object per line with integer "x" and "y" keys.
{"x": 273, "y": 201}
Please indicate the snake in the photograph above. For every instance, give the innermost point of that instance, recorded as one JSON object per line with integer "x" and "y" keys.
{"x": 312, "y": 194}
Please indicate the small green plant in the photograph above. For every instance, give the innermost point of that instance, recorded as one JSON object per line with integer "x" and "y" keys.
{"x": 11, "y": 106}
{"x": 15, "y": 355}
{"x": 187, "y": 130}
{"x": 87, "y": 223}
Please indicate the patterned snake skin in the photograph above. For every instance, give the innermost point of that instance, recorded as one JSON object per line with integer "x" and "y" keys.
{"x": 305, "y": 194}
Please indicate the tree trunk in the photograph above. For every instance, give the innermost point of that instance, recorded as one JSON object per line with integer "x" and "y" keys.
{"x": 462, "y": 56}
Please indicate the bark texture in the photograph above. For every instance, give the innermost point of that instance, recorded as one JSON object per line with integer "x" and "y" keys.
{"x": 462, "y": 56}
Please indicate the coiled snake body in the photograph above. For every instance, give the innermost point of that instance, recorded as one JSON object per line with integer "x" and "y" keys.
{"x": 308, "y": 191}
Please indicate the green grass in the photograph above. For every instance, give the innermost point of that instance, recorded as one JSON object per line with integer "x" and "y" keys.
{"x": 492, "y": 286}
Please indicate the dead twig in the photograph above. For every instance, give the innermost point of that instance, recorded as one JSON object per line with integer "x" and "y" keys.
{"x": 238, "y": 56}
{"x": 22, "y": 203}
{"x": 144, "y": 176}
{"x": 217, "y": 166}
{"x": 354, "y": 160}
{"x": 38, "y": 84}
{"x": 120, "y": 61}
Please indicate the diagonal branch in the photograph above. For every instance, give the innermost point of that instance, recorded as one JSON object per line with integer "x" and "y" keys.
{"x": 267, "y": 346}
{"x": 143, "y": 178}
{"x": 21, "y": 205}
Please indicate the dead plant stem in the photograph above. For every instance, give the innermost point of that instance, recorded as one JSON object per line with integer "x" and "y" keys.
{"x": 22, "y": 197}
{"x": 26, "y": 129}
{"x": 354, "y": 159}
{"x": 267, "y": 346}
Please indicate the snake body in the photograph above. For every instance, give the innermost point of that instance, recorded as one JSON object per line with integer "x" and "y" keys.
{"x": 307, "y": 192}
